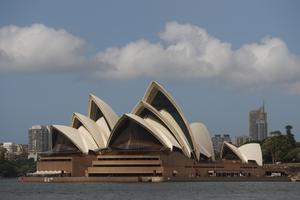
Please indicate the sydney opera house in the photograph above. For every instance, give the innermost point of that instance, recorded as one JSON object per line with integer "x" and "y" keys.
{"x": 154, "y": 142}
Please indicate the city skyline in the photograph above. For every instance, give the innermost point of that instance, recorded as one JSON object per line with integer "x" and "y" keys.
{"x": 204, "y": 61}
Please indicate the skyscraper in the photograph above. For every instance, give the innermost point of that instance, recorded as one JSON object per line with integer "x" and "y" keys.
{"x": 39, "y": 140}
{"x": 258, "y": 126}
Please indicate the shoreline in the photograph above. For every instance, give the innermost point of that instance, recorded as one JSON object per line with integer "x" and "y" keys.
{"x": 146, "y": 179}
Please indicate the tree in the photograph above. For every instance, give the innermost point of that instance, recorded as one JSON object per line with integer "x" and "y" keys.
{"x": 7, "y": 169}
{"x": 288, "y": 129}
{"x": 18, "y": 167}
{"x": 290, "y": 135}
{"x": 275, "y": 148}
{"x": 292, "y": 156}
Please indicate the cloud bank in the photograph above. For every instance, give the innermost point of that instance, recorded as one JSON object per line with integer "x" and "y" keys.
{"x": 184, "y": 51}
{"x": 38, "y": 48}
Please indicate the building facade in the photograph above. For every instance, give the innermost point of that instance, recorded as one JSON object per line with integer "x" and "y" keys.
{"x": 14, "y": 151}
{"x": 240, "y": 140}
{"x": 274, "y": 133}
{"x": 11, "y": 148}
{"x": 39, "y": 140}
{"x": 218, "y": 141}
{"x": 258, "y": 126}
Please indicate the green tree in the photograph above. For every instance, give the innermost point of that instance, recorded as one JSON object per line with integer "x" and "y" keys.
{"x": 290, "y": 135}
{"x": 275, "y": 148}
{"x": 18, "y": 167}
{"x": 7, "y": 169}
{"x": 292, "y": 156}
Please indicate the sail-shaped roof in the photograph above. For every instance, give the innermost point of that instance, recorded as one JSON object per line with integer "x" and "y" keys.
{"x": 160, "y": 99}
{"x": 96, "y": 131}
{"x": 81, "y": 140}
{"x": 252, "y": 151}
{"x": 203, "y": 140}
{"x": 246, "y": 153}
{"x": 143, "y": 109}
{"x": 157, "y": 117}
{"x": 98, "y": 109}
{"x": 138, "y": 122}
{"x": 165, "y": 133}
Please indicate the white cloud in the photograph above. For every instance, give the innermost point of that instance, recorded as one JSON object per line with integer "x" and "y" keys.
{"x": 39, "y": 47}
{"x": 185, "y": 51}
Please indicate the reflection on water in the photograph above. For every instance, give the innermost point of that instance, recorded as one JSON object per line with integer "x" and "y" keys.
{"x": 11, "y": 189}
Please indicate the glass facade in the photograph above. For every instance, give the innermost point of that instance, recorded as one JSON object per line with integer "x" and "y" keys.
{"x": 77, "y": 123}
{"x": 130, "y": 135}
{"x": 95, "y": 112}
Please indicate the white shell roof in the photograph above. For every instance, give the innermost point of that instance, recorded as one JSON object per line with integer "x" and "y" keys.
{"x": 104, "y": 127}
{"x": 203, "y": 140}
{"x": 165, "y": 133}
{"x": 110, "y": 116}
{"x": 87, "y": 139}
{"x": 251, "y": 151}
{"x": 154, "y": 86}
{"x": 77, "y": 138}
{"x": 185, "y": 144}
{"x": 160, "y": 137}
{"x": 168, "y": 121}
{"x": 96, "y": 131}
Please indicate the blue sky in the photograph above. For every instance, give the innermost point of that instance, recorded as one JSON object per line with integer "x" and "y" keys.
{"x": 219, "y": 60}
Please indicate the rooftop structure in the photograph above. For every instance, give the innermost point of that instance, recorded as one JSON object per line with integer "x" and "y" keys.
{"x": 246, "y": 153}
{"x": 157, "y": 116}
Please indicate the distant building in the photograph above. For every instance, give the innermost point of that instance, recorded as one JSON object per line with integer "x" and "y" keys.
{"x": 9, "y": 146}
{"x": 21, "y": 150}
{"x": 39, "y": 140}
{"x": 14, "y": 151}
{"x": 218, "y": 140}
{"x": 258, "y": 126}
{"x": 274, "y": 133}
{"x": 240, "y": 140}
{"x": 10, "y": 150}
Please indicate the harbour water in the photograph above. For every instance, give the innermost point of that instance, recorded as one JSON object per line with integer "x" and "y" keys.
{"x": 11, "y": 189}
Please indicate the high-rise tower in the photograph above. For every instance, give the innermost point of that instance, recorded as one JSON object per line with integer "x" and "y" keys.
{"x": 39, "y": 140}
{"x": 258, "y": 126}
